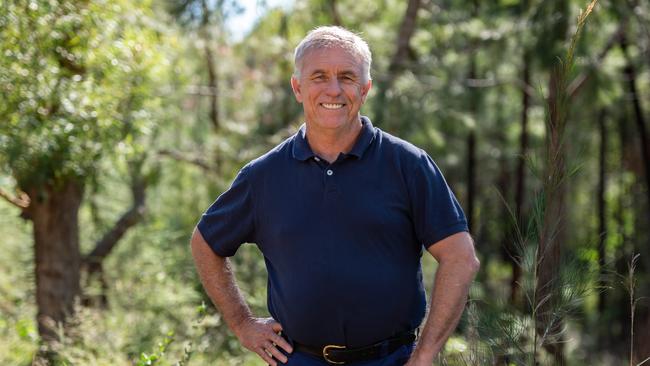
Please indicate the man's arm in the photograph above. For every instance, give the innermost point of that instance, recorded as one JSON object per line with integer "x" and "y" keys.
{"x": 457, "y": 266}
{"x": 257, "y": 334}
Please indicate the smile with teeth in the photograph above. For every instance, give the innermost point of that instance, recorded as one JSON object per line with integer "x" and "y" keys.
{"x": 332, "y": 105}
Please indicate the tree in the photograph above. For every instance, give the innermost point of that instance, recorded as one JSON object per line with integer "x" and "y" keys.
{"x": 78, "y": 84}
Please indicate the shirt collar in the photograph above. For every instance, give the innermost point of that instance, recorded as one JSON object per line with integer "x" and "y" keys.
{"x": 366, "y": 136}
{"x": 301, "y": 150}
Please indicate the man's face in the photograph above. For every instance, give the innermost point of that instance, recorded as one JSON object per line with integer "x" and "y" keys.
{"x": 331, "y": 88}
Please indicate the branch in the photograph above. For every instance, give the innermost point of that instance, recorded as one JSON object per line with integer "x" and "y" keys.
{"x": 130, "y": 218}
{"x": 406, "y": 31}
{"x": 578, "y": 82}
{"x": 336, "y": 17}
{"x": 22, "y": 201}
{"x": 398, "y": 62}
{"x": 201, "y": 163}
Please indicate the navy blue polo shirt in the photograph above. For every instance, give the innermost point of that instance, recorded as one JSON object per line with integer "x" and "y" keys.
{"x": 342, "y": 242}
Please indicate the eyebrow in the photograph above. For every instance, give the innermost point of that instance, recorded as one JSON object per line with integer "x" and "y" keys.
{"x": 348, "y": 73}
{"x": 317, "y": 72}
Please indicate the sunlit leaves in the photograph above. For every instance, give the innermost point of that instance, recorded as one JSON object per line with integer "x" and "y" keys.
{"x": 76, "y": 79}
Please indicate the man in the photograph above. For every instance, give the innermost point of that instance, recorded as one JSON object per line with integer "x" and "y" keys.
{"x": 341, "y": 211}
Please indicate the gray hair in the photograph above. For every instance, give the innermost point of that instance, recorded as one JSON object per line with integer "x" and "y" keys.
{"x": 330, "y": 37}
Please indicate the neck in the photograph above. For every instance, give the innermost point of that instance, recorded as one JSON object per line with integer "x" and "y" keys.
{"x": 329, "y": 143}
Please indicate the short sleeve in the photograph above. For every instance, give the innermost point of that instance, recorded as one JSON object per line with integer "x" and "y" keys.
{"x": 229, "y": 221}
{"x": 435, "y": 210}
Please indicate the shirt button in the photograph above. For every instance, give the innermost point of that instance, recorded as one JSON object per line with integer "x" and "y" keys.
{"x": 329, "y": 172}
{"x": 316, "y": 158}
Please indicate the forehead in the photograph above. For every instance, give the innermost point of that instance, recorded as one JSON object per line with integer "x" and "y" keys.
{"x": 331, "y": 59}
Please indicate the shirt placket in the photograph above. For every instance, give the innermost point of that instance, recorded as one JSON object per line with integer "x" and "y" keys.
{"x": 329, "y": 176}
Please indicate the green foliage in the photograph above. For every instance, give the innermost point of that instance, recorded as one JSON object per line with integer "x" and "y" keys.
{"x": 95, "y": 90}
{"x": 18, "y": 334}
{"x": 78, "y": 80}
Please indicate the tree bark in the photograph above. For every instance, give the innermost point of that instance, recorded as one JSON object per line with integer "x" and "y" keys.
{"x": 54, "y": 213}
{"x": 552, "y": 232}
{"x": 639, "y": 118}
{"x": 406, "y": 31}
{"x": 213, "y": 79}
{"x": 641, "y": 335}
{"x": 642, "y": 339}
{"x": 397, "y": 62}
{"x": 471, "y": 179}
{"x": 521, "y": 181}
{"x": 619, "y": 309}
{"x": 334, "y": 12}
{"x": 523, "y": 142}
{"x": 471, "y": 151}
{"x": 602, "y": 208}
{"x": 213, "y": 84}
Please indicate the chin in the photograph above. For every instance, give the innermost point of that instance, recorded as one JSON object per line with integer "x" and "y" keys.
{"x": 329, "y": 122}
{"x": 337, "y": 121}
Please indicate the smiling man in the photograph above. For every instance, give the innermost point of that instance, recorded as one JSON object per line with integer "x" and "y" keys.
{"x": 342, "y": 213}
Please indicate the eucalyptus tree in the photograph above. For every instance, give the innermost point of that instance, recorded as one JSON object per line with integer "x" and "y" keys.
{"x": 80, "y": 82}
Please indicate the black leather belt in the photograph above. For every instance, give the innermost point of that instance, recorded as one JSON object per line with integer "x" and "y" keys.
{"x": 340, "y": 355}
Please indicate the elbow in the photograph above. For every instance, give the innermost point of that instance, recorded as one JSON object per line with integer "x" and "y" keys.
{"x": 474, "y": 264}
{"x": 470, "y": 261}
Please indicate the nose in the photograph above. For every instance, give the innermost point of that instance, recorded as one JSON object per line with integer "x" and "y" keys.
{"x": 333, "y": 87}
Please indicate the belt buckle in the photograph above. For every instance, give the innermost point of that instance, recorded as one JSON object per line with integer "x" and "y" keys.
{"x": 325, "y": 353}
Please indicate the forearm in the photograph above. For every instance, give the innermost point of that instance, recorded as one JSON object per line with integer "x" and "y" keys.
{"x": 448, "y": 298}
{"x": 259, "y": 335}
{"x": 218, "y": 280}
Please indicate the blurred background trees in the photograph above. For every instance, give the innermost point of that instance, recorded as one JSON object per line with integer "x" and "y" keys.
{"x": 121, "y": 122}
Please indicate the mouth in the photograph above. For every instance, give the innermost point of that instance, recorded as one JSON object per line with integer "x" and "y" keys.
{"x": 332, "y": 105}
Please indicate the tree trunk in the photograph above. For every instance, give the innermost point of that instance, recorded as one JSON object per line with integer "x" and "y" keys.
{"x": 471, "y": 179}
{"x": 54, "y": 213}
{"x": 641, "y": 340}
{"x": 406, "y": 31}
{"x": 397, "y": 62}
{"x": 619, "y": 309}
{"x": 471, "y": 151}
{"x": 334, "y": 12}
{"x": 523, "y": 142}
{"x": 602, "y": 208}
{"x": 641, "y": 335}
{"x": 521, "y": 180}
{"x": 213, "y": 83}
{"x": 213, "y": 80}
{"x": 630, "y": 77}
{"x": 552, "y": 233}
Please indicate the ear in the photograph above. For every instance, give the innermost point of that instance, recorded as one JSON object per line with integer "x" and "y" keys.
{"x": 295, "y": 85}
{"x": 365, "y": 90}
